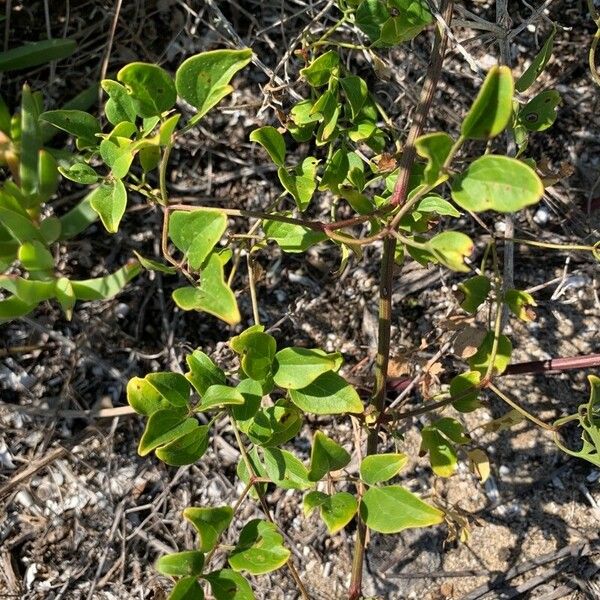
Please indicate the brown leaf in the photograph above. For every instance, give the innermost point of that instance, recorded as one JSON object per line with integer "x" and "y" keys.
{"x": 468, "y": 340}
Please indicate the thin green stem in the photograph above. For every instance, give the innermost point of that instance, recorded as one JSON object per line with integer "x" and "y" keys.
{"x": 162, "y": 174}
{"x": 553, "y": 245}
{"x": 252, "y": 282}
{"x": 513, "y": 404}
{"x": 254, "y": 478}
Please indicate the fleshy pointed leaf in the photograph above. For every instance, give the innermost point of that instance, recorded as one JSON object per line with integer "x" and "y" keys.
{"x": 151, "y": 88}
{"x": 210, "y": 523}
{"x": 326, "y": 456}
{"x": 492, "y": 109}
{"x": 163, "y": 427}
{"x": 538, "y": 64}
{"x": 259, "y": 549}
{"x": 393, "y": 508}
{"x": 203, "y": 372}
{"x": 187, "y": 588}
{"x": 196, "y": 233}
{"x": 173, "y": 387}
{"x": 329, "y": 394}
{"x": 36, "y": 53}
{"x": 272, "y": 141}
{"x": 213, "y": 296}
{"x": 109, "y": 200}
{"x": 226, "y": 584}
{"x": 298, "y": 367}
{"x": 203, "y": 80}
{"x": 181, "y": 564}
{"x": 292, "y": 238}
{"x": 186, "y": 449}
{"x": 381, "y": 467}
{"x": 301, "y": 183}
{"x": 499, "y": 183}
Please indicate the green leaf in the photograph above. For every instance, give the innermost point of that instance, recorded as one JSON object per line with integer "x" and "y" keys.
{"x": 65, "y": 296}
{"x": 217, "y": 396}
{"x": 213, "y": 296}
{"x": 452, "y": 429}
{"x": 80, "y": 172}
{"x": 34, "y": 256}
{"x": 167, "y": 129}
{"x": 442, "y": 455}
{"x": 173, "y": 387}
{"x": 356, "y": 91}
{"x": 117, "y": 152}
{"x": 370, "y": 17}
{"x": 437, "y": 204}
{"x": 259, "y": 549}
{"x": 301, "y": 183}
{"x": 329, "y": 394}
{"x": 451, "y": 248}
{"x": 475, "y": 292}
{"x": 435, "y": 147}
{"x": 153, "y": 265}
{"x": 481, "y": 360}
{"x": 298, "y": 367}
{"x": 36, "y": 53}
{"x": 77, "y": 219}
{"x": 497, "y": 183}
{"x": 109, "y": 200}
{"x": 187, "y": 588}
{"x": 540, "y": 113}
{"x": 252, "y": 391}
{"x": 181, "y": 564}
{"x": 29, "y": 291}
{"x": 393, "y": 508}
{"x": 275, "y": 425}
{"x": 203, "y": 373}
{"x": 492, "y": 109}
{"x": 319, "y": 71}
{"x": 538, "y": 64}
{"x": 103, "y": 288}
{"x": 120, "y": 106}
{"x": 151, "y": 88}
{"x": 226, "y": 584}
{"x": 187, "y": 449}
{"x": 47, "y": 176}
{"x": 163, "y": 427}
{"x": 203, "y": 80}
{"x": 30, "y": 142}
{"x": 285, "y": 470}
{"x": 336, "y": 511}
{"x": 51, "y": 229}
{"x": 78, "y": 123}
{"x": 326, "y": 456}
{"x": 520, "y": 304}
{"x": 292, "y": 238}
{"x": 144, "y": 398}
{"x": 14, "y": 307}
{"x": 257, "y": 350}
{"x": 196, "y": 233}
{"x": 210, "y": 523}
{"x": 149, "y": 158}
{"x": 381, "y": 467}
{"x": 464, "y": 391}
{"x": 408, "y": 18}
{"x": 336, "y": 171}
{"x": 21, "y": 228}
{"x": 272, "y": 141}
